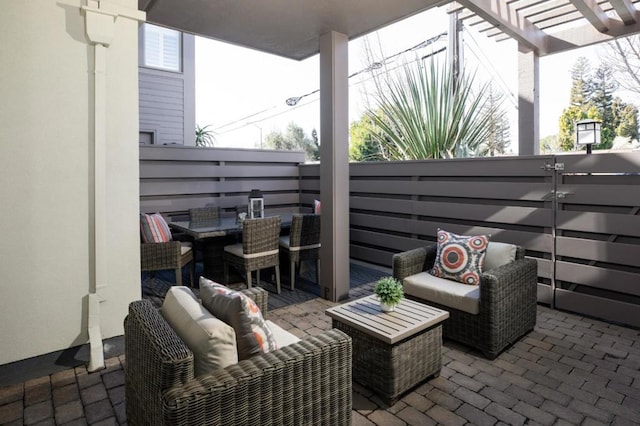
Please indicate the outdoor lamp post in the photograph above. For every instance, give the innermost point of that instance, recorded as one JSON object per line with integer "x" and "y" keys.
{"x": 588, "y": 133}
{"x": 256, "y": 204}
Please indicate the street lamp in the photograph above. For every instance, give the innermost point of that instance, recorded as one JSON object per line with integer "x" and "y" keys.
{"x": 588, "y": 133}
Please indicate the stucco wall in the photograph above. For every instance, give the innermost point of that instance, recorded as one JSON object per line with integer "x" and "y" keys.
{"x": 46, "y": 162}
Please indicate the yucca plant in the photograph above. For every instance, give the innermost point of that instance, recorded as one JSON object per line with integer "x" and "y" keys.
{"x": 204, "y": 137}
{"x": 424, "y": 112}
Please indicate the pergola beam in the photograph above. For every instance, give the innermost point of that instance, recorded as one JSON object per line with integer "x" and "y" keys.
{"x": 500, "y": 14}
{"x": 625, "y": 10}
{"x": 586, "y": 35}
{"x": 593, "y": 13}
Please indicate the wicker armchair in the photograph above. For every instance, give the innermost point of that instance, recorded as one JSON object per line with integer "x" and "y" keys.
{"x": 303, "y": 243}
{"x": 258, "y": 250}
{"x": 170, "y": 255}
{"x": 507, "y": 301}
{"x": 308, "y": 382}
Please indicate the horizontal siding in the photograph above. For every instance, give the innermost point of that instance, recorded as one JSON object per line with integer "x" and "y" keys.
{"x": 161, "y": 105}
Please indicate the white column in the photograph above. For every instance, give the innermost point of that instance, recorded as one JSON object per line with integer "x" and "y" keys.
{"x": 334, "y": 166}
{"x": 528, "y": 102}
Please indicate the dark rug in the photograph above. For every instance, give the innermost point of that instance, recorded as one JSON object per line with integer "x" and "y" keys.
{"x": 305, "y": 286}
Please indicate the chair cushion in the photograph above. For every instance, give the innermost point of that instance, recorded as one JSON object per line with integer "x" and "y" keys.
{"x": 443, "y": 291}
{"x": 235, "y": 249}
{"x": 499, "y": 254}
{"x": 212, "y": 341}
{"x": 459, "y": 257}
{"x": 253, "y": 335}
{"x": 154, "y": 228}
{"x": 285, "y": 241}
{"x": 282, "y": 336}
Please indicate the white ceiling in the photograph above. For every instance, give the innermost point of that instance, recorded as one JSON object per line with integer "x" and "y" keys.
{"x": 291, "y": 28}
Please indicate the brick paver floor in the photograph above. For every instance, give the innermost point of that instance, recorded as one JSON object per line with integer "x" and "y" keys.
{"x": 569, "y": 370}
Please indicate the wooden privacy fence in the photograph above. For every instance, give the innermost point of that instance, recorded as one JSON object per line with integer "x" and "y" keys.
{"x": 577, "y": 215}
{"x": 174, "y": 179}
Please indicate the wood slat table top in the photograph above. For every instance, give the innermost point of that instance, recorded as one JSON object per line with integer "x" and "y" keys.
{"x": 409, "y": 318}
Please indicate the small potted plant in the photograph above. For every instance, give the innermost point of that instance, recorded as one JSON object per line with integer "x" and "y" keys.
{"x": 389, "y": 292}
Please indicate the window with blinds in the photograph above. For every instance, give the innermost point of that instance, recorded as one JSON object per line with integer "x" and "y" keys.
{"x": 161, "y": 48}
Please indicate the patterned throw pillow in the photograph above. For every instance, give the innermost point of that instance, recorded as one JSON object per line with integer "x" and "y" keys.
{"x": 460, "y": 258}
{"x": 253, "y": 335}
{"x": 154, "y": 228}
{"x": 317, "y": 206}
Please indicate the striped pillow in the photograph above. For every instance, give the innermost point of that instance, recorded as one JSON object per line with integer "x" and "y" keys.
{"x": 154, "y": 228}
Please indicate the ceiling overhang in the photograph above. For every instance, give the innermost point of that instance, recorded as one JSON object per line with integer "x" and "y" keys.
{"x": 289, "y": 28}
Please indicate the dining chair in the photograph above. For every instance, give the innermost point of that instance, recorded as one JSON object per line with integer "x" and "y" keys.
{"x": 302, "y": 243}
{"x": 159, "y": 251}
{"x": 204, "y": 214}
{"x": 258, "y": 250}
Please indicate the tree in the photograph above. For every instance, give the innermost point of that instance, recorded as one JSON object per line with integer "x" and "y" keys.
{"x": 603, "y": 86}
{"x": 421, "y": 115}
{"x": 622, "y": 56}
{"x": 496, "y": 119}
{"x": 626, "y": 119}
{"x": 363, "y": 145}
{"x": 580, "y": 82}
{"x": 294, "y": 139}
{"x": 204, "y": 137}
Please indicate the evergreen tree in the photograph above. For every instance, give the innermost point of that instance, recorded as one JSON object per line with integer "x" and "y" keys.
{"x": 580, "y": 82}
{"x": 497, "y": 140}
{"x": 626, "y": 119}
{"x": 604, "y": 86}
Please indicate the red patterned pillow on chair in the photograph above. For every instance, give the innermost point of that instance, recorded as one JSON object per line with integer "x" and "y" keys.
{"x": 460, "y": 258}
{"x": 154, "y": 228}
{"x": 253, "y": 335}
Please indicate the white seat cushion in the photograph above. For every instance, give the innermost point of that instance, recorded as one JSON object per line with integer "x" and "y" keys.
{"x": 282, "y": 336}
{"x": 235, "y": 249}
{"x": 185, "y": 248}
{"x": 498, "y": 254}
{"x": 445, "y": 292}
{"x": 285, "y": 241}
{"x": 212, "y": 342}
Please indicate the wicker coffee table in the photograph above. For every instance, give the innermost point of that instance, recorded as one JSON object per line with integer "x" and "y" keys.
{"x": 394, "y": 351}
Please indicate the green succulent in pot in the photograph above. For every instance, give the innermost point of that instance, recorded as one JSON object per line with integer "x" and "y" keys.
{"x": 389, "y": 292}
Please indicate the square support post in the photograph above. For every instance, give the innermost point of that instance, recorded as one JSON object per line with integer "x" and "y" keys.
{"x": 528, "y": 102}
{"x": 334, "y": 165}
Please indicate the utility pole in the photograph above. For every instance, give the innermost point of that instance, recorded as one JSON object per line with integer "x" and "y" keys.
{"x": 455, "y": 47}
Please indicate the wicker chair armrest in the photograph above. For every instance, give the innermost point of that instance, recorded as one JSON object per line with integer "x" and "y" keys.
{"x": 260, "y": 296}
{"x": 159, "y": 255}
{"x": 308, "y": 382}
{"x": 501, "y": 287}
{"x": 413, "y": 261}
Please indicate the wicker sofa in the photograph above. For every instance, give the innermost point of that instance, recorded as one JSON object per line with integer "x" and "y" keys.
{"x": 507, "y": 301}
{"x": 308, "y": 382}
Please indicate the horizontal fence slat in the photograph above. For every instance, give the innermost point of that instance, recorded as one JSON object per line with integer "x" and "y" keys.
{"x": 604, "y": 223}
{"x": 151, "y": 188}
{"x": 603, "y": 278}
{"x": 600, "y": 251}
{"x": 624, "y": 162}
{"x": 599, "y": 307}
{"x": 247, "y": 156}
{"x": 452, "y": 189}
{"x": 612, "y": 195}
{"x": 530, "y": 216}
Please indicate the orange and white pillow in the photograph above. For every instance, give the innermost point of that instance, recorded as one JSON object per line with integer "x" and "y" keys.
{"x": 154, "y": 228}
{"x": 460, "y": 258}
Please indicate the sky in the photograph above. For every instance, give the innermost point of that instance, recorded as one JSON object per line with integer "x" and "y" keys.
{"x": 241, "y": 93}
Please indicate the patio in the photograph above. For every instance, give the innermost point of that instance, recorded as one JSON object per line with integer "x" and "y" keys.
{"x": 570, "y": 370}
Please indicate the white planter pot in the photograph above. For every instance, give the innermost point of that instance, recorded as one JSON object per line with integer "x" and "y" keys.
{"x": 386, "y": 307}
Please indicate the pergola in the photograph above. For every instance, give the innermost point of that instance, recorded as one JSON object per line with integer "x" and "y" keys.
{"x": 299, "y": 29}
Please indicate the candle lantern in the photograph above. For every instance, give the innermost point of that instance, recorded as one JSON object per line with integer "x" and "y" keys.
{"x": 256, "y": 204}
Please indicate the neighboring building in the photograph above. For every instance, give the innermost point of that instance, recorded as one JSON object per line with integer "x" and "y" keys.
{"x": 166, "y": 86}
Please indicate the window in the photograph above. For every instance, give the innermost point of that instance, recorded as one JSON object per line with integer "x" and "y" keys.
{"x": 161, "y": 48}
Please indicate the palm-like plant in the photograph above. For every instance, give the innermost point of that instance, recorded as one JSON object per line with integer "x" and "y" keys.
{"x": 204, "y": 137}
{"x": 425, "y": 112}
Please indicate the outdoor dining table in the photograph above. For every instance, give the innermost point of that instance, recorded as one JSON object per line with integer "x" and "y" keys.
{"x": 213, "y": 235}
